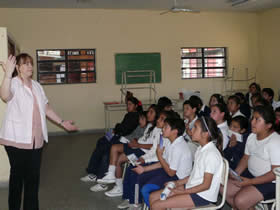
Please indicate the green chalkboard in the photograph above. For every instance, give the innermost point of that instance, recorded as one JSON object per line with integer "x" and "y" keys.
{"x": 137, "y": 62}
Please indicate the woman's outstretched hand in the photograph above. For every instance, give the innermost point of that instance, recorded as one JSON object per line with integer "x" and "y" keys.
{"x": 69, "y": 125}
{"x": 9, "y": 66}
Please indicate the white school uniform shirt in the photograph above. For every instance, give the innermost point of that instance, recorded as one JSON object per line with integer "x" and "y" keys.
{"x": 151, "y": 155}
{"x": 224, "y": 129}
{"x": 178, "y": 157}
{"x": 17, "y": 122}
{"x": 149, "y": 138}
{"x": 238, "y": 113}
{"x": 208, "y": 159}
{"x": 192, "y": 145}
{"x": 262, "y": 153}
{"x": 275, "y": 104}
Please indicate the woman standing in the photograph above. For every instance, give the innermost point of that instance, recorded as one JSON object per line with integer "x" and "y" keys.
{"x": 24, "y": 129}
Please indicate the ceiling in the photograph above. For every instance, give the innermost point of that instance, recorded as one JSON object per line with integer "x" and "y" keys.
{"x": 202, "y": 5}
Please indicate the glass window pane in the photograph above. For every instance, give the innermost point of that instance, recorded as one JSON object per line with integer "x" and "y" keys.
{"x": 191, "y": 52}
{"x": 51, "y": 67}
{"x": 214, "y": 52}
{"x": 80, "y": 54}
{"x": 216, "y": 62}
{"x": 214, "y": 72}
{"x": 191, "y": 63}
{"x": 52, "y": 78}
{"x": 80, "y": 65}
{"x": 51, "y": 55}
{"x": 191, "y": 73}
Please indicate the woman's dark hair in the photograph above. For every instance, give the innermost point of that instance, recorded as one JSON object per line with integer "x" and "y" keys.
{"x": 193, "y": 104}
{"x": 170, "y": 114}
{"x": 219, "y": 98}
{"x": 242, "y": 121}
{"x": 196, "y": 100}
{"x": 136, "y": 102}
{"x": 258, "y": 87}
{"x": 177, "y": 124}
{"x": 154, "y": 123}
{"x": 267, "y": 114}
{"x": 223, "y": 108}
{"x": 209, "y": 125}
{"x": 22, "y": 58}
{"x": 143, "y": 114}
{"x": 234, "y": 98}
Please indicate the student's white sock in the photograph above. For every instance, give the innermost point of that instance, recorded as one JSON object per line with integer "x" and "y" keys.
{"x": 112, "y": 169}
{"x": 119, "y": 182}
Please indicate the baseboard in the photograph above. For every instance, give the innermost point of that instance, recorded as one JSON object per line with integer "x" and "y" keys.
{"x": 88, "y": 131}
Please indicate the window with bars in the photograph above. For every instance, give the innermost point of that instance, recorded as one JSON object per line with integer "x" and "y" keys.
{"x": 203, "y": 62}
{"x": 66, "y": 66}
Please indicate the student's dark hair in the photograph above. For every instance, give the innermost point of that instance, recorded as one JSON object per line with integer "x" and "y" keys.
{"x": 241, "y": 96}
{"x": 164, "y": 102}
{"x": 223, "y": 108}
{"x": 234, "y": 98}
{"x": 257, "y": 96}
{"x": 177, "y": 124}
{"x": 154, "y": 123}
{"x": 209, "y": 125}
{"x": 219, "y": 98}
{"x": 267, "y": 114}
{"x": 258, "y": 87}
{"x": 277, "y": 109}
{"x": 22, "y": 58}
{"x": 196, "y": 100}
{"x": 269, "y": 91}
{"x": 262, "y": 102}
{"x": 193, "y": 104}
{"x": 170, "y": 114}
{"x": 135, "y": 101}
{"x": 242, "y": 121}
{"x": 143, "y": 114}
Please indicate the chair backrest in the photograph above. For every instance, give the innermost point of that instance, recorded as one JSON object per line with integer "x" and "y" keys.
{"x": 224, "y": 182}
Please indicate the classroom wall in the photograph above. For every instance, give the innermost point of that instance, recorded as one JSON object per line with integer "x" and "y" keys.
{"x": 269, "y": 33}
{"x": 116, "y": 31}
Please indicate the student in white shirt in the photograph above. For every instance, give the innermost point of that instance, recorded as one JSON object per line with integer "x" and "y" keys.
{"x": 119, "y": 152}
{"x": 202, "y": 186}
{"x": 219, "y": 113}
{"x": 175, "y": 161}
{"x": 190, "y": 108}
{"x": 233, "y": 106}
{"x": 261, "y": 157}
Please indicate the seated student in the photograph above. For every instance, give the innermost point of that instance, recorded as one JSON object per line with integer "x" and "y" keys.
{"x": 277, "y": 122}
{"x": 254, "y": 88}
{"x": 244, "y": 106}
{"x": 238, "y": 136}
{"x": 203, "y": 110}
{"x": 261, "y": 157}
{"x": 216, "y": 99}
{"x": 118, "y": 155}
{"x": 202, "y": 186}
{"x": 268, "y": 94}
{"x": 97, "y": 164}
{"x": 220, "y": 114}
{"x": 175, "y": 161}
{"x": 131, "y": 186}
{"x": 164, "y": 103}
{"x": 190, "y": 116}
{"x": 233, "y": 106}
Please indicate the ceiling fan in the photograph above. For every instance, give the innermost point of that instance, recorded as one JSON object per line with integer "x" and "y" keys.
{"x": 177, "y": 8}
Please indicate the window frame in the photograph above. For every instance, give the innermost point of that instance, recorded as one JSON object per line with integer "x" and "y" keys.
{"x": 66, "y": 62}
{"x": 203, "y": 68}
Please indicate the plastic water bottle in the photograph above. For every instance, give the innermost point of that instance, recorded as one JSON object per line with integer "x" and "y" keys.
{"x": 167, "y": 190}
